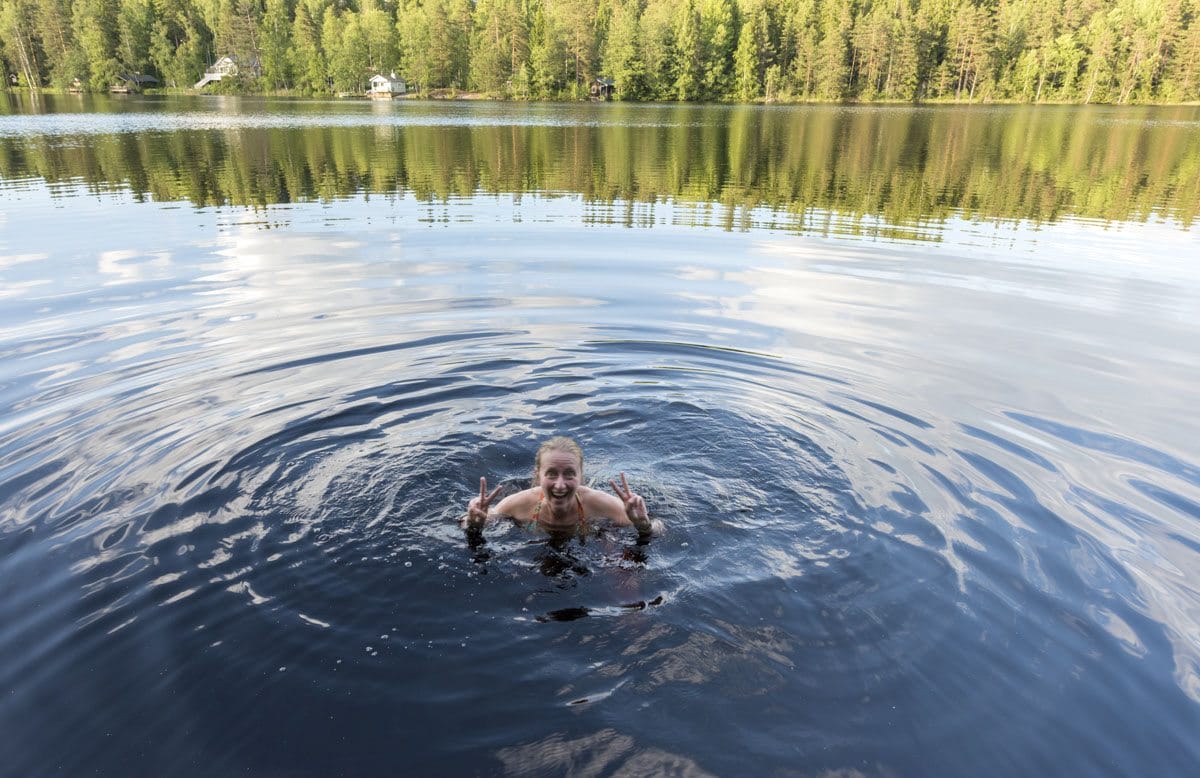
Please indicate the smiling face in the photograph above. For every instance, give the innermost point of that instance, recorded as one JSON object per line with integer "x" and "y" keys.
{"x": 558, "y": 475}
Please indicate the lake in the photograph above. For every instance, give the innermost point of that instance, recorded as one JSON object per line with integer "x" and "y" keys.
{"x": 913, "y": 390}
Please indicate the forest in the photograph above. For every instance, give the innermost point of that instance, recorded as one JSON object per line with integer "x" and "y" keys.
{"x": 1080, "y": 51}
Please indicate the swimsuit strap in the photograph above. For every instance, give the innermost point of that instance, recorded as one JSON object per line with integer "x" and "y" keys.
{"x": 537, "y": 509}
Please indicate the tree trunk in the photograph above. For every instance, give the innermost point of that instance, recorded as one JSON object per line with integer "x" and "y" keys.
{"x": 26, "y": 56}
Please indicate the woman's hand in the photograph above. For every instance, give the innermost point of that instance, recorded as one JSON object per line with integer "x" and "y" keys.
{"x": 477, "y": 508}
{"x": 635, "y": 506}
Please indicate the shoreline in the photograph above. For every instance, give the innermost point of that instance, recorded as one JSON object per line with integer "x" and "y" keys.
{"x": 466, "y": 96}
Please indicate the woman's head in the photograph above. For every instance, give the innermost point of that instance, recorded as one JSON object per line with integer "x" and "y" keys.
{"x": 550, "y": 455}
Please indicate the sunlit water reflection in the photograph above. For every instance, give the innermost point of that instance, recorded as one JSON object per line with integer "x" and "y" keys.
{"x": 931, "y": 484}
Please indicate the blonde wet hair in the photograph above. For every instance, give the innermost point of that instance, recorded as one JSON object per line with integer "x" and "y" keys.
{"x": 561, "y": 443}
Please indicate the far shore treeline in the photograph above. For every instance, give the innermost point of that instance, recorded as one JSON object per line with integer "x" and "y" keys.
{"x": 1087, "y": 51}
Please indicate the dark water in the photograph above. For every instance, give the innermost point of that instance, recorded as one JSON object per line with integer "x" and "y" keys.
{"x": 913, "y": 389}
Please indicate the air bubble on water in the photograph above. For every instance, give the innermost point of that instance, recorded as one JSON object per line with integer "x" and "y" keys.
{"x": 683, "y": 544}
{"x": 281, "y": 669}
{"x": 384, "y": 636}
{"x": 370, "y": 649}
{"x": 408, "y": 563}
{"x": 338, "y": 662}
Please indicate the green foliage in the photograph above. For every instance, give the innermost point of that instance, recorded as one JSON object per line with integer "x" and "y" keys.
{"x": 434, "y": 41}
{"x": 346, "y": 51}
{"x": 718, "y": 39}
{"x": 19, "y": 43}
{"x": 1117, "y": 51}
{"x": 180, "y": 43}
{"x": 95, "y": 26}
{"x": 274, "y": 37}
{"x": 688, "y": 64}
{"x": 306, "y": 58}
{"x": 547, "y": 55}
{"x": 621, "y": 58}
{"x": 753, "y": 56}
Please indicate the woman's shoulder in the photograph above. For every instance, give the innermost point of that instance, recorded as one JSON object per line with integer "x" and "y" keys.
{"x": 519, "y": 505}
{"x": 601, "y": 504}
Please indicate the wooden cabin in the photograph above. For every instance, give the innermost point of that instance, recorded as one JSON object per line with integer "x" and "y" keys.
{"x": 603, "y": 89}
{"x": 132, "y": 82}
{"x": 386, "y": 87}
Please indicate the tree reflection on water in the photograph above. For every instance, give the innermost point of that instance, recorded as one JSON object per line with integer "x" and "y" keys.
{"x": 900, "y": 166}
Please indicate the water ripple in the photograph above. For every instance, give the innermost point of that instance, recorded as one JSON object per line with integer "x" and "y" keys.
{"x": 898, "y": 532}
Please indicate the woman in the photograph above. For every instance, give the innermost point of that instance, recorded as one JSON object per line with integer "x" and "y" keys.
{"x": 557, "y": 501}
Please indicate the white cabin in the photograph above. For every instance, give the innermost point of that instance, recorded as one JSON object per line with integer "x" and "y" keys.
{"x": 386, "y": 86}
{"x": 227, "y": 66}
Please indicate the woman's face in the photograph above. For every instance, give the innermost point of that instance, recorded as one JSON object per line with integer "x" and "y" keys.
{"x": 559, "y": 476}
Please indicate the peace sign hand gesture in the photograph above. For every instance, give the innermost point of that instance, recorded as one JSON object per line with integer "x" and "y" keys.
{"x": 635, "y": 506}
{"x": 477, "y": 508}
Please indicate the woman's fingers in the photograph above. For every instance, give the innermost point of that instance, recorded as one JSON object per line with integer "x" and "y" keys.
{"x": 477, "y": 508}
{"x": 625, "y": 483}
{"x": 617, "y": 489}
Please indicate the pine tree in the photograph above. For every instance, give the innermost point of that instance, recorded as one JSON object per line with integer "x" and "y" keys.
{"x": 902, "y": 80}
{"x": 1183, "y": 75}
{"x": 804, "y": 29}
{"x": 1102, "y": 44}
{"x": 833, "y": 52}
{"x": 718, "y": 40}
{"x": 577, "y": 22}
{"x": 621, "y": 57}
{"x": 657, "y": 35}
{"x": 872, "y": 44}
{"x": 547, "y": 55}
{"x": 61, "y": 54}
{"x": 752, "y": 56}
{"x": 688, "y": 67}
{"x": 491, "y": 63}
